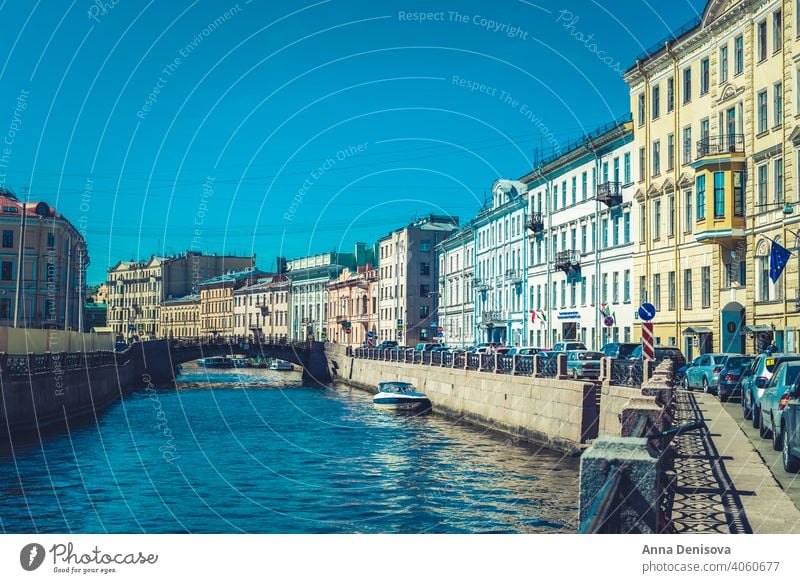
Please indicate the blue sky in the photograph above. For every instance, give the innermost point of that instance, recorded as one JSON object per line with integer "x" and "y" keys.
{"x": 286, "y": 128}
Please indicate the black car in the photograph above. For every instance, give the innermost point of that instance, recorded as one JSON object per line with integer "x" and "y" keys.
{"x": 619, "y": 349}
{"x": 730, "y": 378}
{"x": 386, "y": 345}
{"x": 790, "y": 430}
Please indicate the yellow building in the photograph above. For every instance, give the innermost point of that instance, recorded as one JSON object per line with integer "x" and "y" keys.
{"x": 180, "y": 317}
{"x": 716, "y": 128}
{"x": 216, "y": 302}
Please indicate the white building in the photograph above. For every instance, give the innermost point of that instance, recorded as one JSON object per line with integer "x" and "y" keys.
{"x": 580, "y": 265}
{"x": 500, "y": 260}
{"x": 456, "y": 257}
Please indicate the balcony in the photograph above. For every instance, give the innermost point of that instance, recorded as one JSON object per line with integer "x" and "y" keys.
{"x": 567, "y": 261}
{"x": 721, "y": 145}
{"x": 514, "y": 276}
{"x": 536, "y": 223}
{"x": 481, "y": 285}
{"x": 610, "y": 193}
{"x": 492, "y": 316}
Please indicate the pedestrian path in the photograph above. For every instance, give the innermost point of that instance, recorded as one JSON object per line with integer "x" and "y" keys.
{"x": 721, "y": 483}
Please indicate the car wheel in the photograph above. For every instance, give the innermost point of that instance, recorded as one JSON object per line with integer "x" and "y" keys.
{"x": 776, "y": 437}
{"x": 790, "y": 462}
{"x": 746, "y": 412}
{"x": 763, "y": 432}
{"x": 754, "y": 414}
{"x": 705, "y": 385}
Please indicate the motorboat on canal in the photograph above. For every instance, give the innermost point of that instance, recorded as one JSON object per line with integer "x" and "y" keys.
{"x": 240, "y": 362}
{"x": 400, "y": 396}
{"x": 278, "y": 364}
{"x": 216, "y": 362}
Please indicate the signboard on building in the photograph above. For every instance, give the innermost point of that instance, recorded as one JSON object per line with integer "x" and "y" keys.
{"x": 571, "y": 315}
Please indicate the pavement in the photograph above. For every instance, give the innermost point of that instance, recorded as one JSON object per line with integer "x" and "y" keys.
{"x": 728, "y": 479}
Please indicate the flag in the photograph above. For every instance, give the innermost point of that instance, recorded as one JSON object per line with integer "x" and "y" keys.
{"x": 542, "y": 316}
{"x": 778, "y": 256}
{"x": 533, "y": 316}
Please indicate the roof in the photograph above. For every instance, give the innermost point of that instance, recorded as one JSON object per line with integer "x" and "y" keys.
{"x": 757, "y": 328}
{"x": 234, "y": 276}
{"x": 264, "y": 283}
{"x": 695, "y": 330}
{"x": 183, "y": 299}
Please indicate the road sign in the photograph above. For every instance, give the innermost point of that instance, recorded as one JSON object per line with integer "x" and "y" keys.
{"x": 648, "y": 350}
{"x": 347, "y": 330}
{"x": 647, "y": 312}
{"x": 608, "y": 321}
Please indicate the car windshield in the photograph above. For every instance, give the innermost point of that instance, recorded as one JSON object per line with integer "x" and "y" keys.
{"x": 792, "y": 372}
{"x": 772, "y": 363}
{"x": 738, "y": 361}
{"x": 626, "y": 350}
{"x": 667, "y": 353}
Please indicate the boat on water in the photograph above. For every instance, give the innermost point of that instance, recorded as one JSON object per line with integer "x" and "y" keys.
{"x": 258, "y": 362}
{"x": 400, "y": 396}
{"x": 240, "y": 362}
{"x": 281, "y": 365}
{"x": 216, "y": 362}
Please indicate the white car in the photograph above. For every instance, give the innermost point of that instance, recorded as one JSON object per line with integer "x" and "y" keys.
{"x": 569, "y": 346}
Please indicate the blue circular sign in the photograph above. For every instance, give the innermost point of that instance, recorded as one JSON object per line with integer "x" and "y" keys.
{"x": 647, "y": 312}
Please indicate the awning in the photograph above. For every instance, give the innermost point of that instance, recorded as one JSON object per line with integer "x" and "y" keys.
{"x": 102, "y": 330}
{"x": 697, "y": 330}
{"x": 756, "y": 328}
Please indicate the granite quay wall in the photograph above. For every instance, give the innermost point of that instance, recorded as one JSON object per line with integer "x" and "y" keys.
{"x": 557, "y": 413}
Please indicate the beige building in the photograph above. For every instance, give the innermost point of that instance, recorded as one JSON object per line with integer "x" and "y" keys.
{"x": 261, "y": 310}
{"x": 353, "y": 305}
{"x": 716, "y": 125}
{"x": 136, "y": 289}
{"x": 180, "y": 317}
{"x": 52, "y": 281}
{"x": 408, "y": 276}
{"x": 217, "y": 299}
{"x": 456, "y": 256}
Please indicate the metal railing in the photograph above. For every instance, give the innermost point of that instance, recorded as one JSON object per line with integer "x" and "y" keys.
{"x": 54, "y": 362}
{"x": 724, "y": 144}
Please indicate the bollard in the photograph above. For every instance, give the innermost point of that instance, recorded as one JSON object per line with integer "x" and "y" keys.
{"x": 535, "y": 366}
{"x": 561, "y": 366}
{"x": 513, "y": 365}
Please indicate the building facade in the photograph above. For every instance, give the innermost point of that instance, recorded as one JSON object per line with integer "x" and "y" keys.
{"x": 456, "y": 258}
{"x": 353, "y": 306}
{"x": 180, "y": 318}
{"x": 217, "y": 300}
{"x": 136, "y": 289}
{"x": 500, "y": 260}
{"x": 261, "y": 310}
{"x": 408, "y": 299}
{"x": 581, "y": 237}
{"x": 721, "y": 101}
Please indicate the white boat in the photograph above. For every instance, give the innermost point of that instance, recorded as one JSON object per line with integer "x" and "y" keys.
{"x": 240, "y": 362}
{"x": 215, "y": 362}
{"x": 400, "y": 396}
{"x": 281, "y": 365}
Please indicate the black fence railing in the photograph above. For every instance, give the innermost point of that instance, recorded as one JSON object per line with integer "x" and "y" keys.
{"x": 53, "y": 362}
{"x": 724, "y": 144}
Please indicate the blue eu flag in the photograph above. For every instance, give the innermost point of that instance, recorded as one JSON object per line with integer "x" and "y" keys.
{"x": 778, "y": 257}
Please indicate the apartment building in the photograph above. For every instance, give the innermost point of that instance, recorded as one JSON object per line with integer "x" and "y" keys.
{"x": 136, "y": 289}
{"x": 353, "y": 306}
{"x": 408, "y": 276}
{"x": 720, "y": 100}
{"x": 456, "y": 258}
{"x": 582, "y": 232}
{"x": 180, "y": 318}
{"x": 217, "y": 299}
{"x": 261, "y": 310}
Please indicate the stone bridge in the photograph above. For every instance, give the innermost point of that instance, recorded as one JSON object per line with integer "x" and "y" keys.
{"x": 309, "y": 355}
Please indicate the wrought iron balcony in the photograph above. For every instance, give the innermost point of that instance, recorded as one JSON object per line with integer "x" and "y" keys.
{"x": 724, "y": 144}
{"x": 514, "y": 276}
{"x": 610, "y": 193}
{"x": 481, "y": 285}
{"x": 536, "y": 223}
{"x": 567, "y": 261}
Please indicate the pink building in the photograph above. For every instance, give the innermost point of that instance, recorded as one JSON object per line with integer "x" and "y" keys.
{"x": 353, "y": 300}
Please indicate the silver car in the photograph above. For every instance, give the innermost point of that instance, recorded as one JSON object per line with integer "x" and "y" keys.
{"x": 704, "y": 371}
{"x": 775, "y": 399}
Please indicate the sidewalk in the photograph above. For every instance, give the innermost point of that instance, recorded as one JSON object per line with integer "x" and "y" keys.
{"x": 723, "y": 484}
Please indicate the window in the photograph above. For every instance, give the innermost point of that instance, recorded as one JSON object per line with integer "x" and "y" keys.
{"x": 584, "y": 181}
{"x": 615, "y": 230}
{"x": 777, "y": 31}
{"x": 671, "y": 215}
{"x": 626, "y": 227}
{"x": 5, "y": 308}
{"x": 762, "y": 185}
{"x": 564, "y": 193}
{"x": 656, "y": 157}
{"x": 687, "y": 85}
{"x": 641, "y": 109}
{"x": 762, "y": 40}
{"x": 6, "y": 270}
{"x": 642, "y": 289}
{"x": 700, "y": 199}
{"x": 687, "y": 289}
{"x": 670, "y": 94}
{"x": 424, "y": 246}
{"x": 738, "y": 194}
{"x": 705, "y": 129}
{"x": 424, "y": 268}
{"x": 655, "y": 104}
{"x": 423, "y": 311}
{"x": 778, "y": 175}
{"x": 687, "y": 144}
{"x": 656, "y": 219}
{"x": 627, "y": 164}
{"x": 583, "y": 291}
{"x": 705, "y": 77}
{"x": 706, "y": 284}
{"x": 604, "y": 289}
{"x": 671, "y": 291}
{"x": 777, "y": 104}
{"x": 657, "y": 291}
{"x": 642, "y": 223}
{"x": 574, "y": 189}
{"x": 762, "y": 111}
{"x": 738, "y": 47}
{"x": 719, "y": 195}
{"x": 641, "y": 163}
{"x": 8, "y": 238}
{"x": 583, "y": 238}
{"x": 563, "y": 294}
{"x": 616, "y": 169}
{"x": 763, "y": 278}
{"x": 670, "y": 152}
{"x": 555, "y": 196}
{"x": 615, "y": 288}
{"x": 604, "y": 234}
{"x": 424, "y": 290}
{"x": 723, "y": 64}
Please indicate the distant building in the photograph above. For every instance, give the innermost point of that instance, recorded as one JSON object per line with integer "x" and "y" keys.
{"x": 353, "y": 306}
{"x": 456, "y": 256}
{"x": 94, "y": 316}
{"x": 216, "y": 301}
{"x": 408, "y": 274}
{"x": 136, "y": 289}
{"x": 261, "y": 310}
{"x": 53, "y": 285}
{"x": 97, "y": 294}
{"x": 180, "y": 317}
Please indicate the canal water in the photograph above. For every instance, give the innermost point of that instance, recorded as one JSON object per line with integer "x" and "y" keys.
{"x": 255, "y": 451}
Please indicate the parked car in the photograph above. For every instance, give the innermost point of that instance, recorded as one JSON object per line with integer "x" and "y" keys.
{"x": 386, "y": 345}
{"x": 704, "y": 372}
{"x": 567, "y": 346}
{"x": 525, "y": 351}
{"x": 730, "y": 377}
{"x": 661, "y": 354}
{"x": 774, "y": 401}
{"x": 547, "y": 362}
{"x": 584, "y": 364}
{"x": 790, "y": 431}
{"x": 755, "y": 380}
{"x": 504, "y": 350}
{"x": 619, "y": 349}
{"x": 426, "y": 346}
{"x": 440, "y": 348}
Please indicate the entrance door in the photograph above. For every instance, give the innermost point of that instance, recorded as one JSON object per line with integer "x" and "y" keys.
{"x": 569, "y": 331}
{"x": 733, "y": 337}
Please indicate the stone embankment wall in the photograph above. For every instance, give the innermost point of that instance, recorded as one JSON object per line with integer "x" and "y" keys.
{"x": 560, "y": 414}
